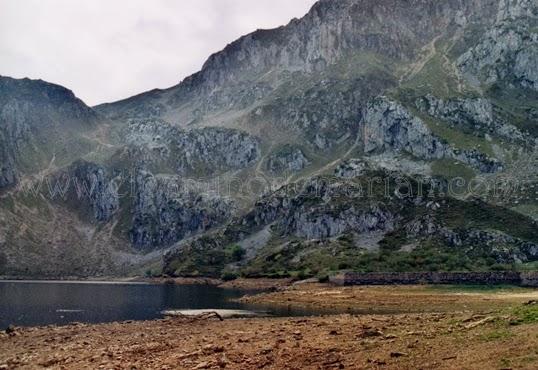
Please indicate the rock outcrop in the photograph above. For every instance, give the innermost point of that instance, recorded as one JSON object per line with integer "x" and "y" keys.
{"x": 167, "y": 209}
{"x": 369, "y": 213}
{"x": 38, "y": 119}
{"x": 473, "y": 115}
{"x": 93, "y": 184}
{"x": 508, "y": 53}
{"x": 205, "y": 151}
{"x": 287, "y": 159}
{"x": 351, "y": 168}
{"x": 390, "y": 127}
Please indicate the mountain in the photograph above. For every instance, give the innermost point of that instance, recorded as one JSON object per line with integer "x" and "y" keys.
{"x": 41, "y": 124}
{"x": 253, "y": 165}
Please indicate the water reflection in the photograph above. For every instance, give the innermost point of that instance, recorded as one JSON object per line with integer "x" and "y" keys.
{"x": 31, "y": 303}
{"x": 43, "y": 303}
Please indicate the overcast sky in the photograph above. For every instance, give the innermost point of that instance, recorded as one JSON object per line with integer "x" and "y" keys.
{"x": 105, "y": 50}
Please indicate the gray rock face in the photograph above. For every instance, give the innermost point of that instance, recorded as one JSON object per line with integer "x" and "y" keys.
{"x": 473, "y": 115}
{"x": 200, "y": 151}
{"x": 323, "y": 225}
{"x": 37, "y": 118}
{"x": 351, "y": 168}
{"x": 217, "y": 148}
{"x": 8, "y": 175}
{"x": 287, "y": 159}
{"x": 317, "y": 210}
{"x": 89, "y": 189}
{"x": 509, "y": 51}
{"x": 389, "y": 127}
{"x": 168, "y": 209}
{"x": 470, "y": 112}
{"x": 514, "y": 9}
{"x": 93, "y": 184}
{"x": 526, "y": 66}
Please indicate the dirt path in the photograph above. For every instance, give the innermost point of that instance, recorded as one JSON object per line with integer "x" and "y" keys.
{"x": 429, "y": 52}
{"x": 261, "y": 162}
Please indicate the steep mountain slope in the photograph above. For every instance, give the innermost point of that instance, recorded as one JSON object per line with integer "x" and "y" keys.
{"x": 44, "y": 127}
{"x": 41, "y": 124}
{"x": 308, "y": 84}
{"x": 442, "y": 90}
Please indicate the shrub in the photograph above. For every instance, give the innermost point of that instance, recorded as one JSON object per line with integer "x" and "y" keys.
{"x": 323, "y": 277}
{"x": 229, "y": 275}
{"x": 235, "y": 253}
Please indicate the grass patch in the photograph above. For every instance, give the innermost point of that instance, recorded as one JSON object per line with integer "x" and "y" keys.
{"x": 477, "y": 288}
{"x": 462, "y": 215}
{"x": 525, "y": 315}
{"x": 455, "y": 137}
{"x": 530, "y": 210}
{"x": 436, "y": 77}
{"x": 451, "y": 168}
{"x": 515, "y": 105}
{"x": 530, "y": 266}
{"x": 496, "y": 335}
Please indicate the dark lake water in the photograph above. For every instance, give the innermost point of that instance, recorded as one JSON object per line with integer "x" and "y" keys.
{"x": 43, "y": 303}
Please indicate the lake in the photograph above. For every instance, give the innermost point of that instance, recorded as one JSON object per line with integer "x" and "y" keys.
{"x": 32, "y": 303}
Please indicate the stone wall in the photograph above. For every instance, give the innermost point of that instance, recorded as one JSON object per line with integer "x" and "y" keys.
{"x": 387, "y": 278}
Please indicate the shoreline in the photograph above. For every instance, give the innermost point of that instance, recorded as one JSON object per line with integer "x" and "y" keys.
{"x": 102, "y": 282}
{"x": 239, "y": 284}
{"x": 491, "y": 329}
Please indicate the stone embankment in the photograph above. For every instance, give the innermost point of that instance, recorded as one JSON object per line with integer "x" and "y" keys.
{"x": 528, "y": 279}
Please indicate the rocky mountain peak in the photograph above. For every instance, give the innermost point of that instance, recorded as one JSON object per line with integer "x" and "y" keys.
{"x": 396, "y": 29}
{"x": 38, "y": 121}
{"x": 332, "y": 30}
{"x": 42, "y": 94}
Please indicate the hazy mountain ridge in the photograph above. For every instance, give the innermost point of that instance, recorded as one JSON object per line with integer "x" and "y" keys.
{"x": 330, "y": 31}
{"x": 439, "y": 89}
{"x": 31, "y": 112}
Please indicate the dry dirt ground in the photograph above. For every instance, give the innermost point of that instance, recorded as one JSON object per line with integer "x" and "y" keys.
{"x": 474, "y": 330}
{"x": 387, "y": 299}
{"x": 242, "y": 284}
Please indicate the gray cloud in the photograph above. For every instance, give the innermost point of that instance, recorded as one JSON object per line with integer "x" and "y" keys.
{"x": 108, "y": 50}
